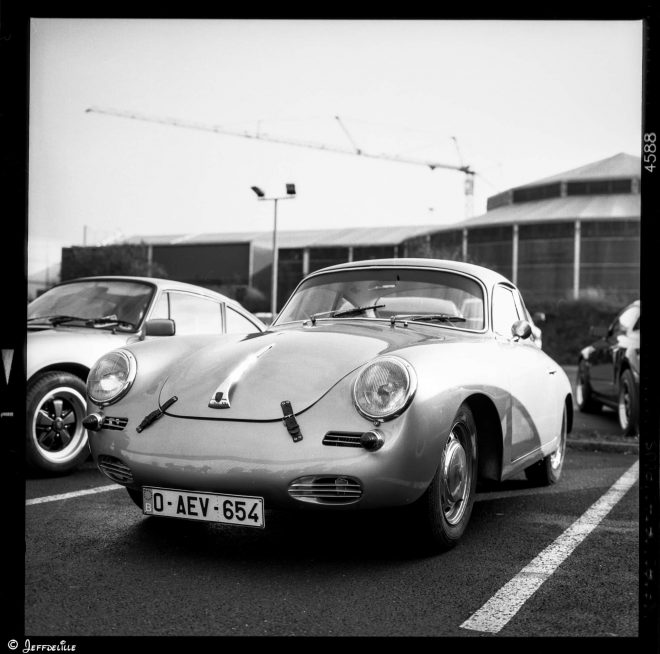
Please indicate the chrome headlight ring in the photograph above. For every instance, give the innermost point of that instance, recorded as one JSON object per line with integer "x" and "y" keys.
{"x": 111, "y": 377}
{"x": 384, "y": 388}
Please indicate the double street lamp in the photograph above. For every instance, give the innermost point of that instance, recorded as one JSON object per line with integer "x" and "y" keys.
{"x": 290, "y": 194}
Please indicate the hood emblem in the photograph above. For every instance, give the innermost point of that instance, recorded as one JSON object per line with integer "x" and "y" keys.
{"x": 220, "y": 397}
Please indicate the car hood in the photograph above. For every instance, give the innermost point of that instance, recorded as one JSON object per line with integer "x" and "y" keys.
{"x": 46, "y": 347}
{"x": 299, "y": 364}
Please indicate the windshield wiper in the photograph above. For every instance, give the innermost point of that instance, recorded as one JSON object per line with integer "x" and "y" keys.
{"x": 429, "y": 317}
{"x": 58, "y": 319}
{"x": 106, "y": 322}
{"x": 344, "y": 312}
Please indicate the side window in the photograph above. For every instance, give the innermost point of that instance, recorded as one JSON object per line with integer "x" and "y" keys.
{"x": 625, "y": 321}
{"x": 194, "y": 314}
{"x": 162, "y": 307}
{"x": 504, "y": 311}
{"x": 238, "y": 324}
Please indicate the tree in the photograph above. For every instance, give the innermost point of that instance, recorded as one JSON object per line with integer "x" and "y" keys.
{"x": 109, "y": 260}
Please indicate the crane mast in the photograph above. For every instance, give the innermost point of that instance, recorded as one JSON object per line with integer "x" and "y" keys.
{"x": 218, "y": 129}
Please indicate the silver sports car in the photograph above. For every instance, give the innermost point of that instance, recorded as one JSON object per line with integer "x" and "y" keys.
{"x": 383, "y": 383}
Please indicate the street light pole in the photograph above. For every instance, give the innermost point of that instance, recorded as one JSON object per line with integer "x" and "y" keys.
{"x": 273, "y": 291}
{"x": 291, "y": 194}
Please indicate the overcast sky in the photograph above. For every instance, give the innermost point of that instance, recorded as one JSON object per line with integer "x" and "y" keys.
{"x": 523, "y": 100}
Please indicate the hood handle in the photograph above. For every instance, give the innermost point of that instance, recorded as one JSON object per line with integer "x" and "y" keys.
{"x": 290, "y": 421}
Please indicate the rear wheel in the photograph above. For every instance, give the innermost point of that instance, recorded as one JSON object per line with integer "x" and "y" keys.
{"x": 583, "y": 394}
{"x": 446, "y": 505}
{"x": 628, "y": 407}
{"x": 56, "y": 441}
{"x": 548, "y": 470}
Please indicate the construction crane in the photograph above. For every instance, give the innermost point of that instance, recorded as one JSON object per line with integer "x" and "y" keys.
{"x": 218, "y": 129}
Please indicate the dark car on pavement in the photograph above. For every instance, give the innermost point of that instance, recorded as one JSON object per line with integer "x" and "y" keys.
{"x": 608, "y": 369}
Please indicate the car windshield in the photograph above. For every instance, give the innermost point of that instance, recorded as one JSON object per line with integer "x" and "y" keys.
{"x": 383, "y": 293}
{"x": 95, "y": 302}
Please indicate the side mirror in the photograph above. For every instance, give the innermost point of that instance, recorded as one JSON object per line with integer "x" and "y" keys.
{"x": 598, "y": 331}
{"x": 160, "y": 327}
{"x": 521, "y": 329}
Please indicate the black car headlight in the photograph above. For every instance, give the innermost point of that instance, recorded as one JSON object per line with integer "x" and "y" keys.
{"x": 111, "y": 377}
{"x": 384, "y": 388}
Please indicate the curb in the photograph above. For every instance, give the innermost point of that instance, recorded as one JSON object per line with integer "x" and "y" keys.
{"x": 603, "y": 446}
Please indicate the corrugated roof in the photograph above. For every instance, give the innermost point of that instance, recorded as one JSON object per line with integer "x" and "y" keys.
{"x": 583, "y": 207}
{"x": 353, "y": 236}
{"x": 620, "y": 165}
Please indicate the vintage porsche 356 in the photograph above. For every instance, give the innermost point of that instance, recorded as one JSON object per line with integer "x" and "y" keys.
{"x": 383, "y": 383}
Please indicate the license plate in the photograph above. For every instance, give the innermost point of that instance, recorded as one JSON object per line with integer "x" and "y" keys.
{"x": 207, "y": 507}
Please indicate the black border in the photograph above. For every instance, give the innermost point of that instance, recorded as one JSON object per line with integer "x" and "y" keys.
{"x": 14, "y": 102}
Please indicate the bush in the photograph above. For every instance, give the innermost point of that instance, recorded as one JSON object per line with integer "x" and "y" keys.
{"x": 566, "y": 329}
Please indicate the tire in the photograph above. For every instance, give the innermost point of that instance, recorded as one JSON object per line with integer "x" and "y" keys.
{"x": 547, "y": 471}
{"x": 136, "y": 496}
{"x": 628, "y": 405}
{"x": 445, "y": 508}
{"x": 56, "y": 441}
{"x": 583, "y": 393}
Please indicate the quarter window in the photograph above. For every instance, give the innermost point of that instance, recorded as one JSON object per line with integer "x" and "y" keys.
{"x": 238, "y": 324}
{"x": 162, "y": 307}
{"x": 504, "y": 311}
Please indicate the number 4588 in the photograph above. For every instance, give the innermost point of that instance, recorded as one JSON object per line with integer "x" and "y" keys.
{"x": 649, "y": 151}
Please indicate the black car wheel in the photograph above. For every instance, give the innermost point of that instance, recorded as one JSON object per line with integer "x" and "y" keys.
{"x": 628, "y": 408}
{"x": 548, "y": 470}
{"x": 446, "y": 505}
{"x": 583, "y": 395}
{"x": 56, "y": 441}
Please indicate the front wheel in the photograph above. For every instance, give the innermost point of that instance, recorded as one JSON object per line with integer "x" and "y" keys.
{"x": 446, "y": 505}
{"x": 628, "y": 406}
{"x": 56, "y": 441}
{"x": 547, "y": 471}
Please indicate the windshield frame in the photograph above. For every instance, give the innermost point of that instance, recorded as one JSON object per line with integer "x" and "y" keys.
{"x": 442, "y": 324}
{"x": 153, "y": 287}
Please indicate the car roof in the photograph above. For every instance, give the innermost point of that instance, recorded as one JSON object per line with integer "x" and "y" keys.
{"x": 486, "y": 275}
{"x": 160, "y": 283}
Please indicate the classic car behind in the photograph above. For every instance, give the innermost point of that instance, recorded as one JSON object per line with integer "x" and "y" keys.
{"x": 608, "y": 369}
{"x": 74, "y": 323}
{"x": 386, "y": 383}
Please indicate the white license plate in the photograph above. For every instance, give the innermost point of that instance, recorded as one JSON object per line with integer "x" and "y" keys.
{"x": 207, "y": 507}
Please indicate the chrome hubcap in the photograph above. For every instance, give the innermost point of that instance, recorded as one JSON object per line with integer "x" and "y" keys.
{"x": 456, "y": 477}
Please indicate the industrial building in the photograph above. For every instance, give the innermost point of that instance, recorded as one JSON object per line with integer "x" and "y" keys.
{"x": 575, "y": 234}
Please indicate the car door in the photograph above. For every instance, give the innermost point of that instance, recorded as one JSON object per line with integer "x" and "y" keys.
{"x": 605, "y": 357}
{"x": 528, "y": 374}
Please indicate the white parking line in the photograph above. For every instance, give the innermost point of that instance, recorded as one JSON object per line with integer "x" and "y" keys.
{"x": 66, "y": 496}
{"x": 500, "y": 608}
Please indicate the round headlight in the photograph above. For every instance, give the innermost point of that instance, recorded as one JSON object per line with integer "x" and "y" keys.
{"x": 384, "y": 388}
{"x": 111, "y": 377}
